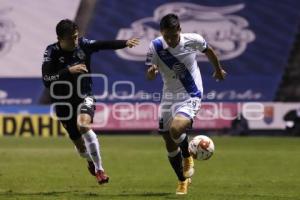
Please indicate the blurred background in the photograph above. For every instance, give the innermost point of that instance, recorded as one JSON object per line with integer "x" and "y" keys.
{"x": 257, "y": 42}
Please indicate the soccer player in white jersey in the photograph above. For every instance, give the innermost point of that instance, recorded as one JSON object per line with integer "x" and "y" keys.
{"x": 174, "y": 55}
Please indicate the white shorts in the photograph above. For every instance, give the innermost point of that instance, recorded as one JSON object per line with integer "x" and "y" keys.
{"x": 169, "y": 109}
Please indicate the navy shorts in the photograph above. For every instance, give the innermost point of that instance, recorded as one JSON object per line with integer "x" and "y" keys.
{"x": 68, "y": 115}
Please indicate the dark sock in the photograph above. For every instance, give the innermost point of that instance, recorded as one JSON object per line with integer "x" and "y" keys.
{"x": 184, "y": 146}
{"x": 176, "y": 163}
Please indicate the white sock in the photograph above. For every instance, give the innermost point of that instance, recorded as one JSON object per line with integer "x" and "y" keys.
{"x": 93, "y": 148}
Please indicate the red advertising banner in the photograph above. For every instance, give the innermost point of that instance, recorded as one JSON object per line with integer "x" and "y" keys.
{"x": 144, "y": 116}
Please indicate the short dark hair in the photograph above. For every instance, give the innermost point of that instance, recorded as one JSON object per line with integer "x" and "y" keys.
{"x": 170, "y": 21}
{"x": 66, "y": 27}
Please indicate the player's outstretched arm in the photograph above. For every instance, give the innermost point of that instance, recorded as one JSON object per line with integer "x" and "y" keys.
{"x": 219, "y": 73}
{"x": 113, "y": 44}
{"x": 151, "y": 73}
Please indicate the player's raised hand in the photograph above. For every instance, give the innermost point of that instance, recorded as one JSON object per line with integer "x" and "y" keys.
{"x": 132, "y": 42}
{"x": 152, "y": 72}
{"x": 219, "y": 74}
{"x": 78, "y": 69}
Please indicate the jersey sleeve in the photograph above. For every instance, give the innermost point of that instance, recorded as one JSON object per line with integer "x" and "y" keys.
{"x": 49, "y": 72}
{"x": 201, "y": 44}
{"x": 151, "y": 56}
{"x": 96, "y": 45}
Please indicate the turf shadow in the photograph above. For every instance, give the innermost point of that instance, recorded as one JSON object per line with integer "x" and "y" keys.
{"x": 84, "y": 194}
{"x": 126, "y": 195}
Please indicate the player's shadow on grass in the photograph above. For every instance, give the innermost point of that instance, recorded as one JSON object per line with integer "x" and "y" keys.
{"x": 146, "y": 194}
{"x": 125, "y": 195}
{"x": 52, "y": 193}
{"x": 83, "y": 194}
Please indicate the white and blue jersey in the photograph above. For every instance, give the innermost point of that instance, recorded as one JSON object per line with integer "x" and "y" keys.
{"x": 178, "y": 66}
{"x": 183, "y": 90}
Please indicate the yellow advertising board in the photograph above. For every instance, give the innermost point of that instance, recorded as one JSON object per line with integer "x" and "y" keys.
{"x": 25, "y": 125}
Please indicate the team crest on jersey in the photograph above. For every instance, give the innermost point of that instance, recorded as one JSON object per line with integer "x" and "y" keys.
{"x": 8, "y": 35}
{"x": 61, "y": 59}
{"x": 80, "y": 54}
{"x": 225, "y": 31}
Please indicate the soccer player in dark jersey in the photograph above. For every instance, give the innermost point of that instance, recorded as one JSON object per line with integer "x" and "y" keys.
{"x": 64, "y": 62}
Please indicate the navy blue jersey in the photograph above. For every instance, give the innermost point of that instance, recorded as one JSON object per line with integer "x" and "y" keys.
{"x": 57, "y": 61}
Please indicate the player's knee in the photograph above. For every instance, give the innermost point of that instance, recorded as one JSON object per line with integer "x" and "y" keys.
{"x": 84, "y": 123}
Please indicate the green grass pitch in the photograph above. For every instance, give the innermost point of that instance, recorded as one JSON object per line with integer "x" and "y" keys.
{"x": 250, "y": 168}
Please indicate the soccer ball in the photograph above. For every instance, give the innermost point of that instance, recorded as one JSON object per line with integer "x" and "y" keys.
{"x": 201, "y": 147}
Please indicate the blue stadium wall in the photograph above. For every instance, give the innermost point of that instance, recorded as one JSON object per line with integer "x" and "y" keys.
{"x": 252, "y": 38}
